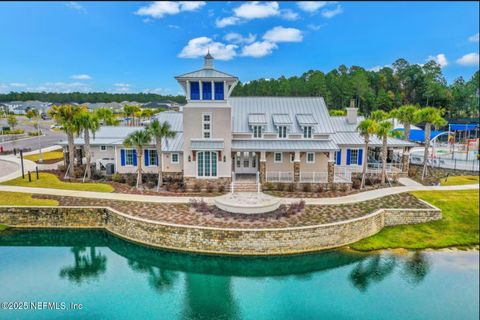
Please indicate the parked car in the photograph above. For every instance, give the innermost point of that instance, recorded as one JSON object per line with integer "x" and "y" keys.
{"x": 56, "y": 126}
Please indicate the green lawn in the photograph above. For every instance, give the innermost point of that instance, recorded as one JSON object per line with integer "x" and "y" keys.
{"x": 23, "y": 199}
{"x": 458, "y": 228}
{"x": 48, "y": 180}
{"x": 459, "y": 180}
{"x": 2, "y": 227}
{"x": 51, "y": 155}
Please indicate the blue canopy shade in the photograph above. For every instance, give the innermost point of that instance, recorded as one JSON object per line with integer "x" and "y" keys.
{"x": 419, "y": 135}
{"x": 463, "y": 127}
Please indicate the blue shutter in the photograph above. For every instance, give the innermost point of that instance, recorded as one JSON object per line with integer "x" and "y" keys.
{"x": 145, "y": 154}
{"x": 135, "y": 157}
{"x": 360, "y": 156}
{"x": 218, "y": 91}
{"x": 122, "y": 157}
{"x": 349, "y": 152}
{"x": 156, "y": 153}
{"x": 339, "y": 157}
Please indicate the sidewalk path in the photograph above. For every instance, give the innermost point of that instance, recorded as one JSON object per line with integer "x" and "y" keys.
{"x": 408, "y": 182}
{"x": 12, "y": 160}
{"x": 363, "y": 196}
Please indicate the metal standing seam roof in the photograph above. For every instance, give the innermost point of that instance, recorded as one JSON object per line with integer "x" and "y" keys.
{"x": 243, "y": 106}
{"x": 284, "y": 145}
{"x": 281, "y": 119}
{"x": 175, "y": 119}
{"x": 355, "y": 139}
{"x": 306, "y": 119}
{"x": 205, "y": 73}
{"x": 207, "y": 144}
{"x": 340, "y": 124}
{"x": 257, "y": 119}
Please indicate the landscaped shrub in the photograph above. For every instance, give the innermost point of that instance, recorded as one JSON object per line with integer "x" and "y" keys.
{"x": 268, "y": 186}
{"x": 209, "y": 188}
{"x": 221, "y": 188}
{"x": 200, "y": 206}
{"x": 151, "y": 185}
{"x": 307, "y": 187}
{"x": 131, "y": 179}
{"x": 280, "y": 186}
{"x": 14, "y": 131}
{"x": 117, "y": 177}
{"x": 356, "y": 183}
{"x": 197, "y": 187}
{"x": 296, "y": 207}
{"x": 291, "y": 187}
{"x": 34, "y": 133}
{"x": 320, "y": 188}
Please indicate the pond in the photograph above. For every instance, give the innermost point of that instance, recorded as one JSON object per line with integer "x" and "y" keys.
{"x": 114, "y": 279}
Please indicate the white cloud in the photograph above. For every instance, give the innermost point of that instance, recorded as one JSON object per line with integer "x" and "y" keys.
{"x": 80, "y": 77}
{"x": 288, "y": 14}
{"x": 227, "y": 21}
{"x": 198, "y": 47}
{"x": 122, "y": 87}
{"x": 238, "y": 38}
{"x": 281, "y": 34}
{"x": 315, "y": 27}
{"x": 173, "y": 26}
{"x": 311, "y": 6}
{"x": 159, "y": 9}
{"x": 121, "y": 84}
{"x": 474, "y": 38}
{"x": 441, "y": 59}
{"x": 258, "y": 49}
{"x": 76, "y": 6}
{"x": 257, "y": 10}
{"x": 332, "y": 13}
{"x": 17, "y": 84}
{"x": 470, "y": 59}
{"x": 161, "y": 91}
{"x": 378, "y": 68}
{"x": 60, "y": 87}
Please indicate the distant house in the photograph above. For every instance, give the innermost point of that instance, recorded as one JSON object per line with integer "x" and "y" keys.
{"x": 21, "y": 107}
{"x": 163, "y": 104}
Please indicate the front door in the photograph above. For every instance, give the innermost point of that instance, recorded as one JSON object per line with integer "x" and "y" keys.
{"x": 246, "y": 162}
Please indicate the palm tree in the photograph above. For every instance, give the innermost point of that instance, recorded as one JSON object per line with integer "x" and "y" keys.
{"x": 138, "y": 139}
{"x": 106, "y": 116}
{"x": 65, "y": 116}
{"x": 131, "y": 111}
{"x": 429, "y": 115}
{"x": 406, "y": 114}
{"x": 159, "y": 131}
{"x": 366, "y": 128}
{"x": 383, "y": 130}
{"x": 87, "y": 123}
{"x": 147, "y": 113}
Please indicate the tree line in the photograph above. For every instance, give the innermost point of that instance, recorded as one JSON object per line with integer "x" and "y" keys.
{"x": 91, "y": 97}
{"x": 384, "y": 89}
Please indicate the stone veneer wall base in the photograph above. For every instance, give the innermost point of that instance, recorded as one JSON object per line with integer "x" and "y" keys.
{"x": 225, "y": 241}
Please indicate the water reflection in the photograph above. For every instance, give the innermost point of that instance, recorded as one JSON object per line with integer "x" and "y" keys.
{"x": 159, "y": 279}
{"x": 414, "y": 268}
{"x": 88, "y": 264}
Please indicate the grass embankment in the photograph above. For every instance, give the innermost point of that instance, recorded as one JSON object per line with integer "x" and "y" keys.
{"x": 459, "y": 180}
{"x": 49, "y": 180}
{"x": 458, "y": 228}
{"x": 23, "y": 199}
{"x": 3, "y": 227}
{"x": 50, "y": 156}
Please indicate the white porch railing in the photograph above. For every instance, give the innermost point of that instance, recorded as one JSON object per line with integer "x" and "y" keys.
{"x": 314, "y": 177}
{"x": 277, "y": 176}
{"x": 342, "y": 175}
{"x": 372, "y": 168}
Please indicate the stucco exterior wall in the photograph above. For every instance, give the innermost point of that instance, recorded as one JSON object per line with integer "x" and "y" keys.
{"x": 320, "y": 165}
{"x": 221, "y": 128}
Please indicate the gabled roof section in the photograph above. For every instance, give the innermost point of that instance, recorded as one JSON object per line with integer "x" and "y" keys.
{"x": 175, "y": 119}
{"x": 243, "y": 106}
{"x": 258, "y": 119}
{"x": 281, "y": 119}
{"x": 306, "y": 119}
{"x": 206, "y": 73}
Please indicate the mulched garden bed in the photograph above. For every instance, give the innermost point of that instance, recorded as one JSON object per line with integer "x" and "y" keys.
{"x": 185, "y": 214}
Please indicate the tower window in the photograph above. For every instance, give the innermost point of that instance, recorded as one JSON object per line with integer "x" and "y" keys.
{"x": 207, "y": 90}
{"x": 194, "y": 90}
{"x": 219, "y": 91}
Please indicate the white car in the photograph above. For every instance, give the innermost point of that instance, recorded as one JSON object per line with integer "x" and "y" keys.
{"x": 56, "y": 126}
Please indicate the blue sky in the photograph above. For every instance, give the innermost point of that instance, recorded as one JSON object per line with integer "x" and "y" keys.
{"x": 141, "y": 46}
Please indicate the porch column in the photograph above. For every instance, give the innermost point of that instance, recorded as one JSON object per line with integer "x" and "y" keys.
{"x": 262, "y": 166}
{"x": 330, "y": 170}
{"x": 296, "y": 167}
{"x": 406, "y": 160}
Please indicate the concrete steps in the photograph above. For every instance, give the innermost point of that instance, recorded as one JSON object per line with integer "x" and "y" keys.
{"x": 245, "y": 187}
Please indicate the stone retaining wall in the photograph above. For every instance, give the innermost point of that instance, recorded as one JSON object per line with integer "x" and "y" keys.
{"x": 216, "y": 240}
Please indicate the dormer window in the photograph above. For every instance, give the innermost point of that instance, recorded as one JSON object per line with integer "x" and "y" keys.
{"x": 257, "y": 132}
{"x": 307, "y": 132}
{"x": 282, "y": 132}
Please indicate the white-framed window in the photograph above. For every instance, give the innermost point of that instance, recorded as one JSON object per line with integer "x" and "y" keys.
{"x": 175, "y": 158}
{"x": 206, "y": 125}
{"x": 307, "y": 132}
{"x": 129, "y": 157}
{"x": 278, "y": 157}
{"x": 103, "y": 148}
{"x": 152, "y": 157}
{"x": 207, "y": 164}
{"x": 354, "y": 156}
{"x": 257, "y": 131}
{"x": 310, "y": 157}
{"x": 282, "y": 132}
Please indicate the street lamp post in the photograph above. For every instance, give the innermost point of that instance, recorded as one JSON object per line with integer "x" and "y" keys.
{"x": 40, "y": 156}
